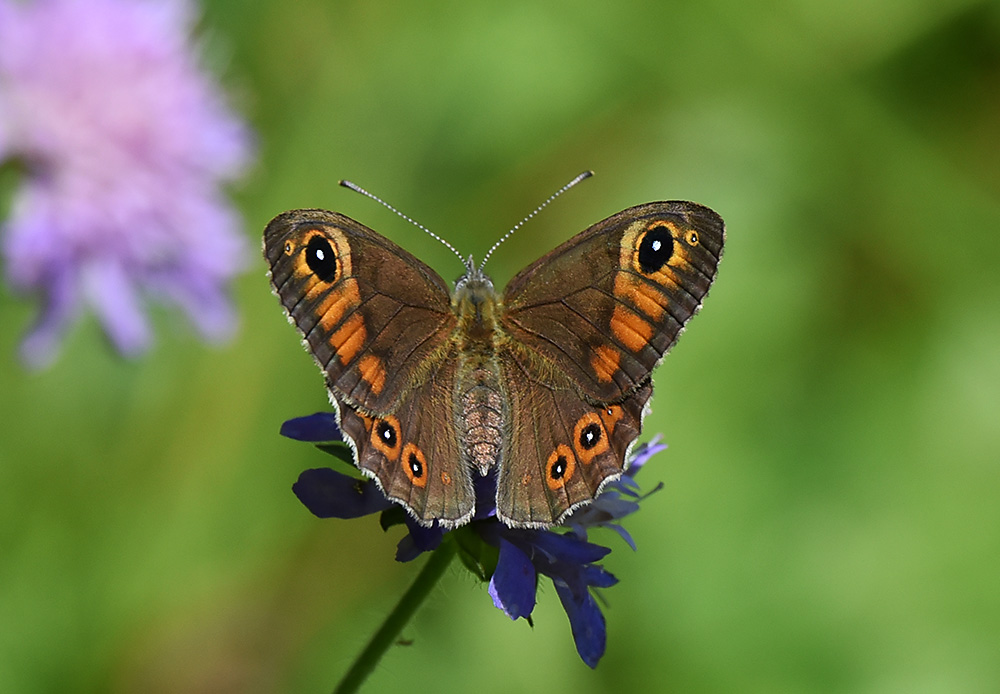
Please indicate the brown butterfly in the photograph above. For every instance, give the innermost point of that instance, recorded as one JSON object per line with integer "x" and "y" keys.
{"x": 546, "y": 384}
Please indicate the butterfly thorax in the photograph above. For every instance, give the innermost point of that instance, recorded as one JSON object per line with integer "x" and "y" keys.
{"x": 480, "y": 403}
{"x": 475, "y": 304}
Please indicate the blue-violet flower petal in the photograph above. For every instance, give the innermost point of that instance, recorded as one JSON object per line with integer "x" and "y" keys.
{"x": 513, "y": 584}
{"x": 331, "y": 494}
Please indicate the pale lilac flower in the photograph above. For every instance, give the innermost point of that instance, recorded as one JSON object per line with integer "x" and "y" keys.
{"x": 124, "y": 141}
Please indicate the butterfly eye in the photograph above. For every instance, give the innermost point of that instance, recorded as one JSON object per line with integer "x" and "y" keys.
{"x": 560, "y": 467}
{"x": 321, "y": 258}
{"x": 387, "y": 433}
{"x": 590, "y": 436}
{"x": 414, "y": 465}
{"x": 655, "y": 249}
{"x": 692, "y": 238}
{"x": 385, "y": 437}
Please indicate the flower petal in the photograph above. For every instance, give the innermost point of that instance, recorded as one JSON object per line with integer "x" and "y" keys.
{"x": 41, "y": 345}
{"x": 566, "y": 548}
{"x": 114, "y": 297}
{"x": 586, "y": 622}
{"x": 486, "y": 493}
{"x": 318, "y": 427}
{"x": 331, "y": 494}
{"x": 418, "y": 540}
{"x": 641, "y": 455}
{"x": 597, "y": 576}
{"x": 514, "y": 582}
{"x": 624, "y": 534}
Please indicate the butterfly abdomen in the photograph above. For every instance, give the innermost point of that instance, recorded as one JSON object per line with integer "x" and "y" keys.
{"x": 479, "y": 399}
{"x": 482, "y": 418}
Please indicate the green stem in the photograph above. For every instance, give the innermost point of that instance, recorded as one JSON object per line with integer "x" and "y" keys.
{"x": 397, "y": 619}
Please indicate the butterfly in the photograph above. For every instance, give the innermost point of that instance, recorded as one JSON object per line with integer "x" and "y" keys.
{"x": 544, "y": 386}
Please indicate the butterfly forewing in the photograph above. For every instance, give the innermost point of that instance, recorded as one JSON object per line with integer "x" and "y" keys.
{"x": 607, "y": 305}
{"x": 371, "y": 314}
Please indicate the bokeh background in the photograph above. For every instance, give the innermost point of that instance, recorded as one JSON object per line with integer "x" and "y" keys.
{"x": 831, "y": 514}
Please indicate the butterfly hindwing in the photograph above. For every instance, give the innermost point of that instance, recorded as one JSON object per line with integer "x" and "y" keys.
{"x": 562, "y": 450}
{"x": 414, "y": 453}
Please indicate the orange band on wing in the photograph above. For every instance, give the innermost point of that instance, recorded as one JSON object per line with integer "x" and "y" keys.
{"x": 630, "y": 329}
{"x": 604, "y": 362}
{"x": 640, "y": 294}
{"x": 349, "y": 339}
{"x": 372, "y": 372}
{"x": 337, "y": 303}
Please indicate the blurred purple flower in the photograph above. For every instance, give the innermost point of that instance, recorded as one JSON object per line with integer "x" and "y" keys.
{"x": 124, "y": 141}
{"x": 567, "y": 558}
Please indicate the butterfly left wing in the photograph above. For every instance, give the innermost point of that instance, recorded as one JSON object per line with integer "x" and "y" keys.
{"x": 589, "y": 322}
{"x": 562, "y": 450}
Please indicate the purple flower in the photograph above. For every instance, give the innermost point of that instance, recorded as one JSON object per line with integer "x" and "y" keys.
{"x": 520, "y": 555}
{"x": 569, "y": 562}
{"x": 619, "y": 498}
{"x": 123, "y": 141}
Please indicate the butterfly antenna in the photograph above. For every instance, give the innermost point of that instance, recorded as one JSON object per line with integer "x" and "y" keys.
{"x": 358, "y": 189}
{"x": 585, "y": 175}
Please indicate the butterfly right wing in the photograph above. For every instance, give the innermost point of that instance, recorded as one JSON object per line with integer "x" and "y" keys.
{"x": 370, "y": 313}
{"x": 587, "y": 324}
{"x": 414, "y": 452}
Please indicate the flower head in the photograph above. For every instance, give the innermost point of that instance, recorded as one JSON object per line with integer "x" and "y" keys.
{"x": 124, "y": 141}
{"x": 510, "y": 559}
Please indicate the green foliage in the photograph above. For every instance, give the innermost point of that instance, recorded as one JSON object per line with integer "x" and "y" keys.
{"x": 339, "y": 450}
{"x": 479, "y": 557}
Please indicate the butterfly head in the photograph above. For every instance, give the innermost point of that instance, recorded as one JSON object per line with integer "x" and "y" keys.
{"x": 474, "y": 281}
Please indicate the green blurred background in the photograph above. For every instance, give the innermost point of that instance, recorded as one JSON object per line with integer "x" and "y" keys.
{"x": 830, "y": 516}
